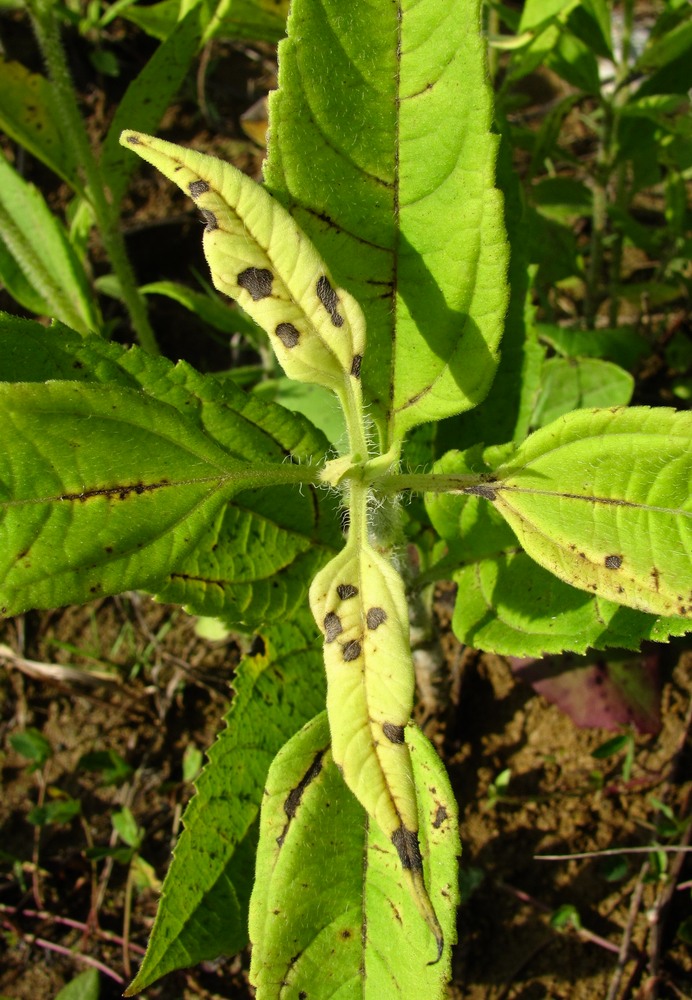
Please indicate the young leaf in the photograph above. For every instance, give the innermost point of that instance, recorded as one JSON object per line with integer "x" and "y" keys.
{"x": 259, "y": 256}
{"x": 330, "y": 914}
{"x": 358, "y": 601}
{"x": 417, "y": 238}
{"x": 203, "y": 910}
{"x": 37, "y": 261}
{"x": 602, "y": 499}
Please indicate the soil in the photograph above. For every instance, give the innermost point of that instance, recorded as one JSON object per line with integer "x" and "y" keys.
{"x": 134, "y": 677}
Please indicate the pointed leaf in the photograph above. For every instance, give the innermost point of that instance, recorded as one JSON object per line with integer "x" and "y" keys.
{"x": 38, "y": 264}
{"x": 330, "y": 914}
{"x": 390, "y": 171}
{"x": 259, "y": 256}
{"x": 602, "y": 499}
{"x": 203, "y": 909}
{"x": 358, "y": 601}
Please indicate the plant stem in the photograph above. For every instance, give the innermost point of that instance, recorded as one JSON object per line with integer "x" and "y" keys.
{"x": 48, "y": 35}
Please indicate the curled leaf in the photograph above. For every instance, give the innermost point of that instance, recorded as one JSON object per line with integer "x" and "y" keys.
{"x": 359, "y": 603}
{"x": 259, "y": 256}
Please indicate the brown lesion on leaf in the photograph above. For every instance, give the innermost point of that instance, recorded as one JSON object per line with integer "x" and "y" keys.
{"x": 332, "y": 626}
{"x": 210, "y": 219}
{"x": 330, "y": 300}
{"x": 134, "y": 140}
{"x": 613, "y": 562}
{"x": 484, "y": 490}
{"x": 656, "y": 577}
{"x": 294, "y": 797}
{"x": 287, "y": 334}
{"x": 122, "y": 492}
{"x": 346, "y": 590}
{"x": 375, "y": 617}
{"x": 440, "y": 816}
{"x": 351, "y": 651}
{"x": 257, "y": 281}
{"x": 356, "y": 365}
{"x": 196, "y": 188}
{"x": 394, "y": 733}
{"x": 407, "y": 847}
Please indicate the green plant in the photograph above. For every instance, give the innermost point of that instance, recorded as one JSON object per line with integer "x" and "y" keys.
{"x": 122, "y": 471}
{"x": 53, "y": 276}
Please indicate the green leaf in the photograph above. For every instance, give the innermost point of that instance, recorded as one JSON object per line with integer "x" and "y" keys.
{"x": 258, "y": 255}
{"x": 504, "y": 415}
{"x": 125, "y": 825}
{"x": 507, "y": 604}
{"x": 148, "y": 96}
{"x": 114, "y": 769}
{"x": 416, "y": 238}
{"x": 85, "y": 986}
{"x": 602, "y": 499}
{"x": 622, "y": 345}
{"x": 666, "y": 48}
{"x": 203, "y": 910}
{"x": 259, "y": 20}
{"x": 252, "y": 561}
{"x": 102, "y": 489}
{"x": 37, "y": 262}
{"x": 330, "y": 913}
{"x": 33, "y": 745}
{"x": 62, "y": 811}
{"x": 29, "y": 116}
{"x": 576, "y": 384}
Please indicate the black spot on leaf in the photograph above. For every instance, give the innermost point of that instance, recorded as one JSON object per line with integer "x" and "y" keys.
{"x": 375, "y": 617}
{"x": 613, "y": 562}
{"x": 257, "y": 281}
{"x": 355, "y": 365}
{"x": 258, "y": 646}
{"x": 196, "y": 188}
{"x": 346, "y": 590}
{"x": 287, "y": 334}
{"x": 482, "y": 490}
{"x": 440, "y": 817}
{"x": 210, "y": 219}
{"x": 408, "y": 849}
{"x": 296, "y": 794}
{"x": 332, "y": 626}
{"x": 394, "y": 733}
{"x": 351, "y": 651}
{"x": 134, "y": 140}
{"x": 330, "y": 301}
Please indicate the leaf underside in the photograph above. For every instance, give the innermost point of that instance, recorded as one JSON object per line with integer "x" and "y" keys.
{"x": 331, "y": 914}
